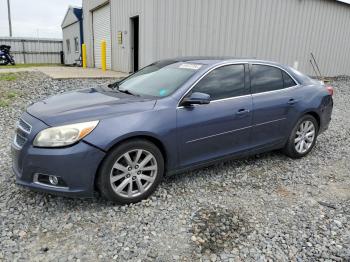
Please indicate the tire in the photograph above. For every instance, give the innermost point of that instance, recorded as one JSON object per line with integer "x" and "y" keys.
{"x": 294, "y": 147}
{"x": 119, "y": 176}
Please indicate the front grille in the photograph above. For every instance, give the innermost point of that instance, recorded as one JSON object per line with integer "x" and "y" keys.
{"x": 23, "y": 129}
{"x": 24, "y": 126}
{"x": 20, "y": 140}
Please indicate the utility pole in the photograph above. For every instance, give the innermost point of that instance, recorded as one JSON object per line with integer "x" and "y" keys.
{"x": 9, "y": 16}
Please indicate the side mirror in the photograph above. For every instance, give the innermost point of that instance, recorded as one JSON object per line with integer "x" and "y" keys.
{"x": 196, "y": 98}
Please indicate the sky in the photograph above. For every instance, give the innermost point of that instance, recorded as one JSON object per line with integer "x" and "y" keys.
{"x": 33, "y": 18}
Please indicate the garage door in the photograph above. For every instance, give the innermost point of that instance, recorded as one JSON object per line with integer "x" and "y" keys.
{"x": 102, "y": 31}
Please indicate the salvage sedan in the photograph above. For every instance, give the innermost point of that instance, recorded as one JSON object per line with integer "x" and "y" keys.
{"x": 169, "y": 117}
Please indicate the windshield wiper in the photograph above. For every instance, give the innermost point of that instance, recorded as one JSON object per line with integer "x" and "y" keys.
{"x": 125, "y": 91}
{"x": 114, "y": 85}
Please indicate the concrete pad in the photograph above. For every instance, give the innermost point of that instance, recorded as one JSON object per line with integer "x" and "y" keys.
{"x": 65, "y": 72}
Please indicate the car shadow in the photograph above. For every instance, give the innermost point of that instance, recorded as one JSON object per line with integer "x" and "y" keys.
{"x": 44, "y": 200}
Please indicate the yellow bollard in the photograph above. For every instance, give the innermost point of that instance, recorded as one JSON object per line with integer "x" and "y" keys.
{"x": 83, "y": 48}
{"x": 103, "y": 55}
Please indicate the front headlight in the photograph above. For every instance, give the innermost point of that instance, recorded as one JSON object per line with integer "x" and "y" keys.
{"x": 64, "y": 135}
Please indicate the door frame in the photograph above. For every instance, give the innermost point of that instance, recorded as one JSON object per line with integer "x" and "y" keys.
{"x": 133, "y": 67}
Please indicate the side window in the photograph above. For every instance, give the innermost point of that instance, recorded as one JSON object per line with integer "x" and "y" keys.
{"x": 68, "y": 45}
{"x": 76, "y": 44}
{"x": 288, "y": 81}
{"x": 266, "y": 78}
{"x": 223, "y": 82}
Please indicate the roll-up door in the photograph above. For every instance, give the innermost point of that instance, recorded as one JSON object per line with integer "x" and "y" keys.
{"x": 102, "y": 31}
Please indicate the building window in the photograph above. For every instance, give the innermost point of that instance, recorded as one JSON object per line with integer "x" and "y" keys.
{"x": 76, "y": 44}
{"x": 68, "y": 46}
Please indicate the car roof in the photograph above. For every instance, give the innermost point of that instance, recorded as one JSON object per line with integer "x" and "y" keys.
{"x": 212, "y": 60}
{"x": 217, "y": 60}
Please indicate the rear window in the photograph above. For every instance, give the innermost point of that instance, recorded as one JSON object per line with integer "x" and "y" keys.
{"x": 288, "y": 81}
{"x": 303, "y": 79}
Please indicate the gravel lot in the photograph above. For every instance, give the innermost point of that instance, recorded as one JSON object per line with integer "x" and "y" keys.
{"x": 267, "y": 207}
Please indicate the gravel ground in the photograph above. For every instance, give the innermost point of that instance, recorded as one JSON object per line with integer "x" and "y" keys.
{"x": 267, "y": 207}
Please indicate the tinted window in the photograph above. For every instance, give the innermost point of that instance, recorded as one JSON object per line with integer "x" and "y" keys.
{"x": 266, "y": 78}
{"x": 224, "y": 82}
{"x": 288, "y": 81}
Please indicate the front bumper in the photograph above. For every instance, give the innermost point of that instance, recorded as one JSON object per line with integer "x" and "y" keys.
{"x": 75, "y": 165}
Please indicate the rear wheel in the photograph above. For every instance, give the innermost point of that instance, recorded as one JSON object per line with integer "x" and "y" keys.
{"x": 302, "y": 138}
{"x": 131, "y": 172}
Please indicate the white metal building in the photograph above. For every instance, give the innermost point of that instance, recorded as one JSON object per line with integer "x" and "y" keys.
{"x": 72, "y": 29}
{"x": 138, "y": 32}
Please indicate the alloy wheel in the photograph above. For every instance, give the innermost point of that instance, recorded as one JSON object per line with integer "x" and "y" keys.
{"x": 304, "y": 136}
{"x": 133, "y": 173}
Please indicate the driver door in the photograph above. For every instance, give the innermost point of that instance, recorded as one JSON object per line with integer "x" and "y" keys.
{"x": 221, "y": 128}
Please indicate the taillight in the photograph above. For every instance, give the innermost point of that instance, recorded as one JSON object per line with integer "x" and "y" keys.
{"x": 330, "y": 90}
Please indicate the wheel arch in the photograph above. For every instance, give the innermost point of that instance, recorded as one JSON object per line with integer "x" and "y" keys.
{"x": 316, "y": 116}
{"x": 157, "y": 142}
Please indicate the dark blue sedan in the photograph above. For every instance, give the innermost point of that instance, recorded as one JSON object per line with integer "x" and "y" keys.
{"x": 171, "y": 116}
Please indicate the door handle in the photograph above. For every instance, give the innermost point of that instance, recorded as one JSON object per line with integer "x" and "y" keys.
{"x": 242, "y": 111}
{"x": 292, "y": 101}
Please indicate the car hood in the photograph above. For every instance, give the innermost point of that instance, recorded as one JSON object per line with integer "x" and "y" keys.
{"x": 86, "y": 105}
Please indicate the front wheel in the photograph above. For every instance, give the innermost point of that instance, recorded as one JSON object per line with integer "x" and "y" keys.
{"x": 131, "y": 172}
{"x": 302, "y": 138}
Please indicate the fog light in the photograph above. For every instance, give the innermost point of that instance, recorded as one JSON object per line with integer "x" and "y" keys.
{"x": 53, "y": 180}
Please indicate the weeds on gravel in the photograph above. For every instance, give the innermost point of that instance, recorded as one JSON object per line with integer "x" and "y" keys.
{"x": 7, "y": 97}
{"x": 4, "y": 103}
{"x": 8, "y": 77}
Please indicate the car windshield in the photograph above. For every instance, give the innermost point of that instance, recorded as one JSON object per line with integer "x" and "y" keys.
{"x": 159, "y": 79}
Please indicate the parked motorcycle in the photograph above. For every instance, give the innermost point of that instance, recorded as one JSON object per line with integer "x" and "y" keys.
{"x": 5, "y": 56}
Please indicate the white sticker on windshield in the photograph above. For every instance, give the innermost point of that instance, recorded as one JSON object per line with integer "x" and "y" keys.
{"x": 190, "y": 66}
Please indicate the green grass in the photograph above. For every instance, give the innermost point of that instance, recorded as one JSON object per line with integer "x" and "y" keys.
{"x": 8, "y": 77}
{"x": 11, "y": 94}
{"x": 7, "y": 95}
{"x": 27, "y": 65}
{"x": 4, "y": 103}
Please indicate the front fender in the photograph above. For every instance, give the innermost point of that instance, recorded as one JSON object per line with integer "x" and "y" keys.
{"x": 157, "y": 124}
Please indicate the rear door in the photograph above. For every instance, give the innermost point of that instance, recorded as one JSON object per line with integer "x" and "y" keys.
{"x": 274, "y": 98}
{"x": 222, "y": 127}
